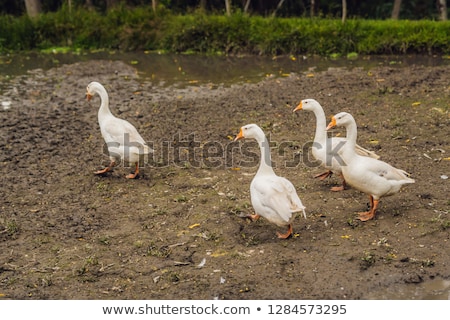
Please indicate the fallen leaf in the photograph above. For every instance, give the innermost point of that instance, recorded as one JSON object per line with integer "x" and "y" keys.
{"x": 438, "y": 110}
{"x": 415, "y": 104}
{"x": 218, "y": 254}
{"x": 195, "y": 225}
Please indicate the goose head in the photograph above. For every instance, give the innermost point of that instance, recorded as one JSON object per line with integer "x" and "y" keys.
{"x": 249, "y": 131}
{"x": 340, "y": 119}
{"x": 307, "y": 104}
{"x": 93, "y": 88}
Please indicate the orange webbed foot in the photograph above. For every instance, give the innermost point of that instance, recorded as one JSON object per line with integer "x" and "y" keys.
{"x": 324, "y": 175}
{"x": 135, "y": 174}
{"x": 107, "y": 169}
{"x": 253, "y": 217}
{"x": 285, "y": 235}
{"x": 340, "y": 188}
{"x": 365, "y": 216}
{"x": 101, "y": 172}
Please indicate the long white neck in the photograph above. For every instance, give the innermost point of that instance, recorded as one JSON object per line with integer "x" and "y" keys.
{"x": 351, "y": 135}
{"x": 265, "y": 165}
{"x": 104, "y": 106}
{"x": 321, "y": 133}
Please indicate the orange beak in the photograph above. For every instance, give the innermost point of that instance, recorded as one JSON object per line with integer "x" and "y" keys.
{"x": 332, "y": 124}
{"x": 299, "y": 107}
{"x": 239, "y": 136}
{"x": 88, "y": 96}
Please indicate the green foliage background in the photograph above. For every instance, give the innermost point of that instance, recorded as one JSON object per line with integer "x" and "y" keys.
{"x": 140, "y": 28}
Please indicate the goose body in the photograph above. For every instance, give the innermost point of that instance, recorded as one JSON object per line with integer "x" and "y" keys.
{"x": 122, "y": 139}
{"x": 272, "y": 197}
{"x": 374, "y": 177}
{"x": 324, "y": 147}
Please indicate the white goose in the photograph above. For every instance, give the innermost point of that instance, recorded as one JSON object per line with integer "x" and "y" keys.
{"x": 324, "y": 146}
{"x": 272, "y": 197}
{"x": 371, "y": 176}
{"x": 121, "y": 137}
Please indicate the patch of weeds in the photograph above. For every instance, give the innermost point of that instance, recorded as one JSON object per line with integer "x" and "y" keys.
{"x": 236, "y": 211}
{"x": 385, "y": 90}
{"x": 138, "y": 244}
{"x": 398, "y": 122}
{"x": 239, "y": 210}
{"x": 427, "y": 263}
{"x": 46, "y": 281}
{"x": 42, "y": 239}
{"x": 181, "y": 198}
{"x": 104, "y": 240}
{"x": 160, "y": 212}
{"x": 161, "y": 252}
{"x": 12, "y": 228}
{"x": 85, "y": 268}
{"x": 146, "y": 226}
{"x": 174, "y": 277}
{"x": 101, "y": 186}
{"x": 231, "y": 196}
{"x": 383, "y": 242}
{"x": 250, "y": 240}
{"x": 367, "y": 260}
{"x": 335, "y": 56}
{"x": 186, "y": 165}
{"x": 210, "y": 236}
{"x": 55, "y": 250}
{"x": 443, "y": 223}
{"x": 352, "y": 55}
{"x": 390, "y": 257}
{"x": 397, "y": 134}
{"x": 352, "y": 223}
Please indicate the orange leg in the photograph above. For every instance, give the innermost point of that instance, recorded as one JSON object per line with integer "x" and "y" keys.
{"x": 253, "y": 217}
{"x": 364, "y": 216}
{"x": 107, "y": 169}
{"x": 324, "y": 175}
{"x": 136, "y": 172}
{"x": 285, "y": 235}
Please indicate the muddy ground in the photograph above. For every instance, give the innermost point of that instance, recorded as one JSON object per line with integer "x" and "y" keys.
{"x": 176, "y": 231}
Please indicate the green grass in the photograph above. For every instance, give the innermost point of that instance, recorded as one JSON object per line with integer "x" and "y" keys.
{"x": 141, "y": 29}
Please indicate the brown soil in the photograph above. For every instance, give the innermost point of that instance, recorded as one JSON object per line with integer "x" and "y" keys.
{"x": 176, "y": 231}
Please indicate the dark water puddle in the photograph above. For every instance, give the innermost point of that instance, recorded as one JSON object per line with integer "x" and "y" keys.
{"x": 188, "y": 70}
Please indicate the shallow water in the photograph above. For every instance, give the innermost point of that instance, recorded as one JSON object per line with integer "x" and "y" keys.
{"x": 186, "y": 70}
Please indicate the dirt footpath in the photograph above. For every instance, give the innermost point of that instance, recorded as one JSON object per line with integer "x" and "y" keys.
{"x": 176, "y": 231}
